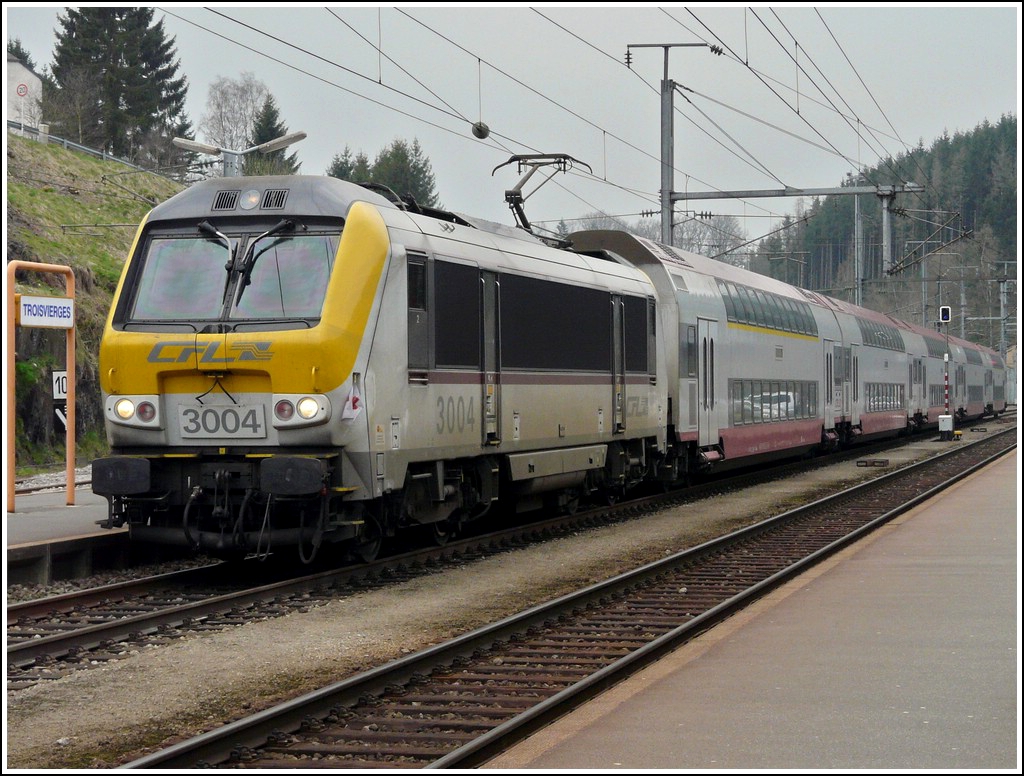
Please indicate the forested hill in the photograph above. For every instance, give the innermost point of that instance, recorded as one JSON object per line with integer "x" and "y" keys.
{"x": 966, "y": 218}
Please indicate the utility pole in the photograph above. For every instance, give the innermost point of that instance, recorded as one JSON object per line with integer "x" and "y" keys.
{"x": 858, "y": 251}
{"x": 667, "y": 132}
{"x": 669, "y": 196}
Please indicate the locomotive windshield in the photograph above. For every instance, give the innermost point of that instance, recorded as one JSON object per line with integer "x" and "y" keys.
{"x": 187, "y": 278}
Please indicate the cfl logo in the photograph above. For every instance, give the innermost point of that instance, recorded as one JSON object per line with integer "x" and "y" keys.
{"x": 181, "y": 352}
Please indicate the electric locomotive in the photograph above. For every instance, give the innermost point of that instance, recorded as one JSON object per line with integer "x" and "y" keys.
{"x": 294, "y": 361}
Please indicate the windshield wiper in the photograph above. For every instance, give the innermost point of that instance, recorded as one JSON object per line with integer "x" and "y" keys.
{"x": 207, "y": 228}
{"x": 285, "y": 224}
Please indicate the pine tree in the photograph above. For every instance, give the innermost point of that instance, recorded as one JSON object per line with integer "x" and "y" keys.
{"x": 15, "y": 48}
{"x": 401, "y": 167}
{"x": 406, "y": 170}
{"x": 131, "y": 69}
{"x": 268, "y": 126}
{"x": 349, "y": 168}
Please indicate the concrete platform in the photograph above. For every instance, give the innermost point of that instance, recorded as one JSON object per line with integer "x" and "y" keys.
{"x": 47, "y": 515}
{"x": 47, "y": 539}
{"x": 902, "y": 652}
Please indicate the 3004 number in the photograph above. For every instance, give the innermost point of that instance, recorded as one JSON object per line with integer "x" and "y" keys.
{"x": 222, "y": 422}
{"x": 454, "y": 414}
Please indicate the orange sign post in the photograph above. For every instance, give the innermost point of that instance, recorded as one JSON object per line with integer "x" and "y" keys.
{"x": 52, "y": 312}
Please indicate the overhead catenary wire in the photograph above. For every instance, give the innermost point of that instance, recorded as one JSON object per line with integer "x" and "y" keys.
{"x": 455, "y": 114}
{"x": 772, "y": 90}
{"x": 896, "y": 134}
{"x": 449, "y": 110}
{"x": 350, "y": 91}
{"x": 395, "y": 90}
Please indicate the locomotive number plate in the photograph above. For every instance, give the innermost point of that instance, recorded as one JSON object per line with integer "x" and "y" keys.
{"x": 227, "y": 422}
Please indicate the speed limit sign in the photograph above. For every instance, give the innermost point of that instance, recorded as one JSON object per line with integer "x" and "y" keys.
{"x": 60, "y": 385}
{"x": 22, "y": 90}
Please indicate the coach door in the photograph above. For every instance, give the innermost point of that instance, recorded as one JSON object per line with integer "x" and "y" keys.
{"x": 844, "y": 375}
{"x": 491, "y": 399}
{"x": 707, "y": 422}
{"x": 853, "y": 380}
{"x": 828, "y": 394}
{"x": 918, "y": 397}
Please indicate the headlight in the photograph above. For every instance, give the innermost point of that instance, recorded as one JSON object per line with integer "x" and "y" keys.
{"x": 308, "y": 408}
{"x": 142, "y": 411}
{"x": 296, "y": 410}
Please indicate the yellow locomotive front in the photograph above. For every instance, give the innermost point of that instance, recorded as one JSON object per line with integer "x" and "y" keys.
{"x": 226, "y": 365}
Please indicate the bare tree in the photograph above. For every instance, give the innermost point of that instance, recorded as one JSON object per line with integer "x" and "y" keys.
{"x": 231, "y": 110}
{"x": 714, "y": 236}
{"x": 72, "y": 108}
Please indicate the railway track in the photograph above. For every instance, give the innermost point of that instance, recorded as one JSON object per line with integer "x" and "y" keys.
{"x": 51, "y": 637}
{"x": 460, "y": 703}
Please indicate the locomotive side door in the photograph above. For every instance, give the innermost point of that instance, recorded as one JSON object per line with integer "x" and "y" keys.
{"x": 491, "y": 398}
{"x": 707, "y": 420}
{"x": 618, "y": 365}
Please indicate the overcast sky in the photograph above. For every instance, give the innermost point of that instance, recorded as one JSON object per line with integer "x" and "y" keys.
{"x": 800, "y": 97}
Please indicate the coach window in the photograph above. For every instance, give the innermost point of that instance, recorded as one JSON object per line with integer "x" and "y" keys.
{"x": 733, "y": 308}
{"x": 762, "y": 317}
{"x": 757, "y": 316}
{"x": 792, "y": 315}
{"x": 744, "y": 307}
{"x": 775, "y": 312}
{"x": 691, "y": 351}
{"x": 636, "y": 320}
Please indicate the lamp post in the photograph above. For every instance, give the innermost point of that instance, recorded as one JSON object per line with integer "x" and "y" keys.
{"x": 233, "y": 159}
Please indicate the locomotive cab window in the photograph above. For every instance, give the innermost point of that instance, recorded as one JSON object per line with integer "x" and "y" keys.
{"x": 288, "y": 278}
{"x": 195, "y": 279}
{"x": 167, "y": 288}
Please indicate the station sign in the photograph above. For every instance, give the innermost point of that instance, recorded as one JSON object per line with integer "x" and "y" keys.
{"x": 47, "y": 312}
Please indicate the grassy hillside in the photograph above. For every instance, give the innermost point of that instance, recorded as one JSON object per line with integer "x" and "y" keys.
{"x": 72, "y": 209}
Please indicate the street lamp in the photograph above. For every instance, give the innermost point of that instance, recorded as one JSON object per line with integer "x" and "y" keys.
{"x": 232, "y": 159}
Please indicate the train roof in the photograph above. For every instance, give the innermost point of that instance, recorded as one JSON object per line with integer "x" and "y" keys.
{"x": 641, "y": 251}
{"x": 307, "y": 195}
